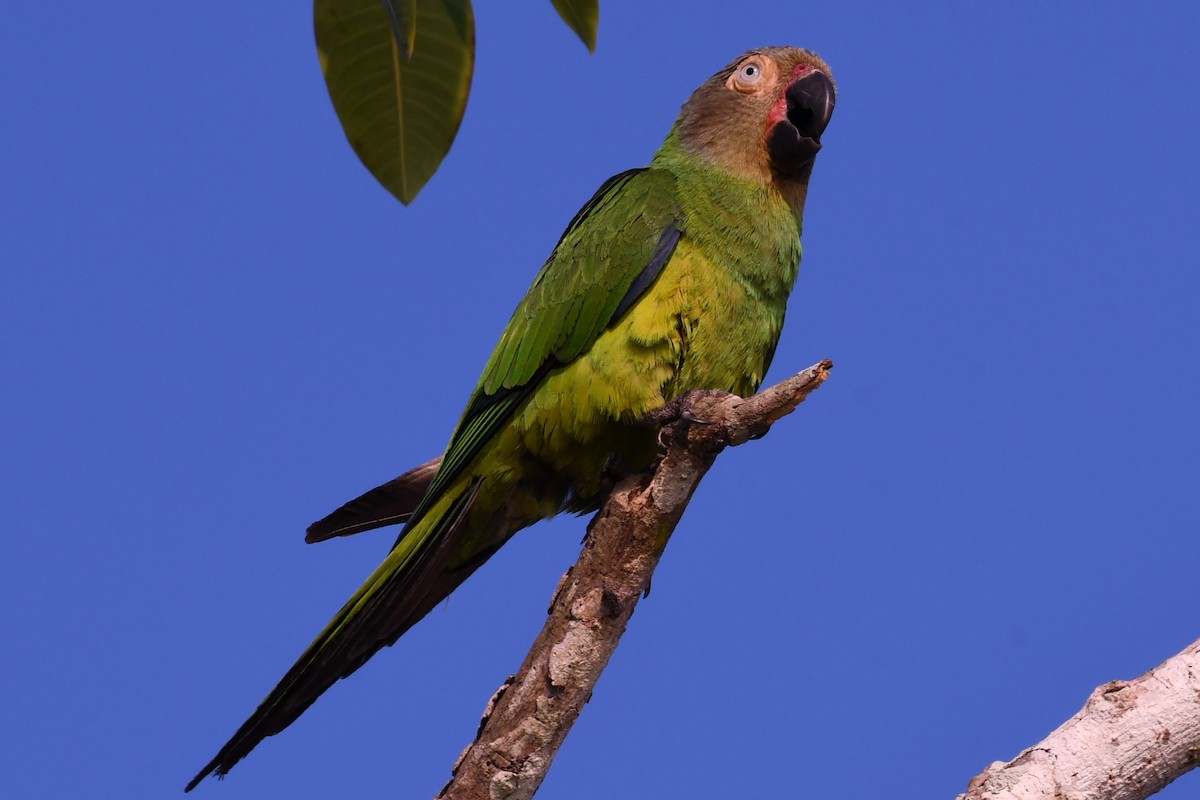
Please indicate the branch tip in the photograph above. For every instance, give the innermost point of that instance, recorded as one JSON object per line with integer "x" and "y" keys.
{"x": 528, "y": 719}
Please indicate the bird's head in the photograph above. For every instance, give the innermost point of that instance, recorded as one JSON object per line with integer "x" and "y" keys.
{"x": 762, "y": 116}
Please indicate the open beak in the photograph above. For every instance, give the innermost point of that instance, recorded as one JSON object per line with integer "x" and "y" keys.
{"x": 794, "y": 142}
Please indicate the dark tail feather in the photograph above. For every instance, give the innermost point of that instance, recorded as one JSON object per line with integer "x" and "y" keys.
{"x": 409, "y": 583}
{"x": 388, "y": 504}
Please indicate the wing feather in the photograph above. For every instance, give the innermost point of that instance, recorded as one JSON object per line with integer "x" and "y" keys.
{"x": 610, "y": 253}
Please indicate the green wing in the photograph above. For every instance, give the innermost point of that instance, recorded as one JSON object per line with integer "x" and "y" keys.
{"x": 608, "y": 256}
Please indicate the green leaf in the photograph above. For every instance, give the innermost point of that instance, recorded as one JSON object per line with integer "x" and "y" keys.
{"x": 403, "y": 16}
{"x": 584, "y": 18}
{"x": 400, "y": 115}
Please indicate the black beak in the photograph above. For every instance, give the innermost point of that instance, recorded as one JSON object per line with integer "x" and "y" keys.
{"x": 810, "y": 104}
{"x": 794, "y": 144}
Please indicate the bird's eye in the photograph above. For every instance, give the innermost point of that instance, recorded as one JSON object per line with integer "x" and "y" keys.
{"x": 748, "y": 75}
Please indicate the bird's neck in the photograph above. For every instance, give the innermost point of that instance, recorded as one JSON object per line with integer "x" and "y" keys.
{"x": 749, "y": 226}
{"x": 755, "y": 173}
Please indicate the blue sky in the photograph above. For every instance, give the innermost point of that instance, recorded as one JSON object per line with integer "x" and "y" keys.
{"x": 215, "y": 327}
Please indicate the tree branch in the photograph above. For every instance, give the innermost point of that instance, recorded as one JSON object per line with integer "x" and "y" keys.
{"x": 1128, "y": 741}
{"x": 529, "y": 716}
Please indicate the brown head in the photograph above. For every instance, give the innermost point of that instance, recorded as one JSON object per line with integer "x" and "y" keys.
{"x": 762, "y": 116}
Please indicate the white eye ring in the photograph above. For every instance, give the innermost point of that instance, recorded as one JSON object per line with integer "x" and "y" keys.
{"x": 750, "y": 73}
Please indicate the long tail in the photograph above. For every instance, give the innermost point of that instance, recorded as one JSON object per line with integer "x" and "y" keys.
{"x": 410, "y": 581}
{"x": 388, "y": 504}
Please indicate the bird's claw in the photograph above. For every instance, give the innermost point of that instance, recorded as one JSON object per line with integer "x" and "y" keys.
{"x": 675, "y": 416}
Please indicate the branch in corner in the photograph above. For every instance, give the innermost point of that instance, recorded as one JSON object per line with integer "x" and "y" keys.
{"x": 1128, "y": 741}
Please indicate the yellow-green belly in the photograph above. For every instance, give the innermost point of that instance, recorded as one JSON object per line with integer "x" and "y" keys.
{"x": 696, "y": 328}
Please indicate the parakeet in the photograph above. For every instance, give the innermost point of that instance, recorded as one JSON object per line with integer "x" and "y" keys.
{"x": 671, "y": 277}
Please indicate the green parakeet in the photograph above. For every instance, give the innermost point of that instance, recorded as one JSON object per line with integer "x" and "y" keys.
{"x": 672, "y": 277}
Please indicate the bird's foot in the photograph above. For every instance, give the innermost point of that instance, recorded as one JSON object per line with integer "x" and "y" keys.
{"x": 679, "y": 414}
{"x": 614, "y": 471}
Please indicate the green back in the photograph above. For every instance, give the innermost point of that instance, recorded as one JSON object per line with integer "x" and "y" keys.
{"x": 610, "y": 253}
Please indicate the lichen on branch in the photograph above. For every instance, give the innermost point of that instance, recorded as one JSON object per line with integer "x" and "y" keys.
{"x": 529, "y": 716}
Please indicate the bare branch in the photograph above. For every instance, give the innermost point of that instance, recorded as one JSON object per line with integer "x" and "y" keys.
{"x": 530, "y": 715}
{"x": 1128, "y": 741}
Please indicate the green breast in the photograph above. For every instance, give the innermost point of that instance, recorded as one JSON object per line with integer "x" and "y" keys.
{"x": 710, "y": 321}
